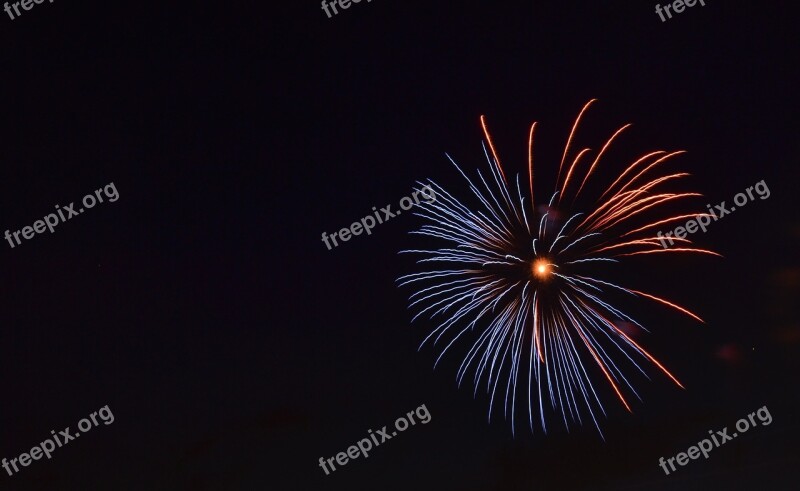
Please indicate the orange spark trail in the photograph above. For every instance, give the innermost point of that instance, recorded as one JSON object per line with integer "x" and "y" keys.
{"x": 668, "y": 220}
{"x": 530, "y": 165}
{"x": 624, "y": 206}
{"x": 642, "y": 350}
{"x": 630, "y": 167}
{"x": 599, "y": 155}
{"x": 569, "y": 140}
{"x": 649, "y": 357}
{"x": 569, "y": 172}
{"x": 536, "y": 333}
{"x": 647, "y": 241}
{"x": 672, "y": 249}
{"x": 491, "y": 146}
{"x": 603, "y": 367}
{"x": 665, "y": 302}
{"x": 658, "y": 161}
{"x": 654, "y": 203}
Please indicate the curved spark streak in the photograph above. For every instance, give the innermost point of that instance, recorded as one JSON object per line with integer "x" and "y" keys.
{"x": 673, "y": 249}
{"x": 599, "y": 155}
{"x": 571, "y": 168}
{"x": 571, "y": 134}
{"x": 559, "y": 317}
{"x": 530, "y": 166}
{"x": 630, "y": 168}
{"x": 491, "y": 145}
{"x": 664, "y": 222}
{"x": 666, "y": 302}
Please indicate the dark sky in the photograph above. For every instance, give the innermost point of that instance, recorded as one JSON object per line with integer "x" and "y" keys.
{"x": 234, "y": 349}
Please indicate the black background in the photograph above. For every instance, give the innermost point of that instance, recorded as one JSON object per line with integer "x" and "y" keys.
{"x": 234, "y": 349}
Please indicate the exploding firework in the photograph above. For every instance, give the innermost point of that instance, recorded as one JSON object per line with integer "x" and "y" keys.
{"x": 522, "y": 280}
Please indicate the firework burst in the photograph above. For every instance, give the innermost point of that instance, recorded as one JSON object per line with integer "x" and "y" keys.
{"x": 521, "y": 281}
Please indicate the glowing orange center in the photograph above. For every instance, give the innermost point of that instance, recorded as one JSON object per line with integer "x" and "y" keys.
{"x": 541, "y": 268}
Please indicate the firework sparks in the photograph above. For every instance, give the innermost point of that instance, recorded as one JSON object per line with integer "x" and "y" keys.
{"x": 520, "y": 280}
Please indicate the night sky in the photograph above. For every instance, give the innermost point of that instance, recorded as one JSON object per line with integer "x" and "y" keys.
{"x": 234, "y": 349}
